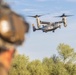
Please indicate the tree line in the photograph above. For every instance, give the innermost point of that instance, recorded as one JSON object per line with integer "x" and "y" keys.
{"x": 63, "y": 64}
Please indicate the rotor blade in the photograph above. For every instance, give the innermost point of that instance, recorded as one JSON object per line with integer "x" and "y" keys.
{"x": 31, "y": 16}
{"x": 63, "y": 15}
{"x": 38, "y": 15}
{"x": 41, "y": 15}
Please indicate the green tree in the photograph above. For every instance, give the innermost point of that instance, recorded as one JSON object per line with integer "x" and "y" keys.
{"x": 19, "y": 66}
{"x": 48, "y": 62}
{"x": 36, "y": 68}
{"x": 59, "y": 69}
{"x": 66, "y": 53}
{"x": 68, "y": 56}
{"x": 64, "y": 64}
{"x": 71, "y": 68}
{"x": 55, "y": 66}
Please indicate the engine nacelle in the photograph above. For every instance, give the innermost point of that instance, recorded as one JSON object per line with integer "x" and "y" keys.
{"x": 64, "y": 21}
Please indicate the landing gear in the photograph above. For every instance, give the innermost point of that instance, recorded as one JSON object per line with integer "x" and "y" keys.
{"x": 45, "y": 31}
{"x": 53, "y": 31}
{"x": 60, "y": 26}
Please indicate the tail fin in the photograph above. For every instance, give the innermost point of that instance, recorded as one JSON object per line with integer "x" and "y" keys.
{"x": 34, "y": 29}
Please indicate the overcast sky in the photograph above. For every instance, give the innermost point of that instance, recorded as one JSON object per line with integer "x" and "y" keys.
{"x": 38, "y": 44}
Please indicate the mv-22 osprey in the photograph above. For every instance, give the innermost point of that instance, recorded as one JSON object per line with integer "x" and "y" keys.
{"x": 48, "y": 26}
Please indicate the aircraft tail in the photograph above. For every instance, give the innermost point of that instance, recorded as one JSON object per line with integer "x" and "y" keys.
{"x": 34, "y": 28}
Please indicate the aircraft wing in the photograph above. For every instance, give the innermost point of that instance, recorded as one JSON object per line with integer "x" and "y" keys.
{"x": 43, "y": 22}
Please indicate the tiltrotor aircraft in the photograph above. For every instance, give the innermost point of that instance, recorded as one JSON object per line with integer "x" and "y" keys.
{"x": 48, "y": 26}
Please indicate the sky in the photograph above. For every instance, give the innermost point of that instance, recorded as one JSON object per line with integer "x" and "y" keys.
{"x": 39, "y": 45}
